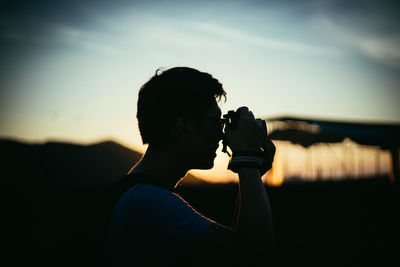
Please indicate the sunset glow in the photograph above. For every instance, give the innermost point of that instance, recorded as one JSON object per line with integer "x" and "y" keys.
{"x": 76, "y": 77}
{"x": 275, "y": 176}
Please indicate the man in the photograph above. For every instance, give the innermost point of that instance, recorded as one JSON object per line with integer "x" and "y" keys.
{"x": 180, "y": 120}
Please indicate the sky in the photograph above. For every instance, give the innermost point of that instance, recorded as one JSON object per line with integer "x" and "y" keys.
{"x": 71, "y": 70}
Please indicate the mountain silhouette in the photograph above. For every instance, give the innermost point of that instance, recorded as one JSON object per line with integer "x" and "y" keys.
{"x": 56, "y": 198}
{"x": 69, "y": 165}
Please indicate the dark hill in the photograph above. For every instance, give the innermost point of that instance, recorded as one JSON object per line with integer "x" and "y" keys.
{"x": 67, "y": 165}
{"x": 55, "y": 197}
{"x": 63, "y": 164}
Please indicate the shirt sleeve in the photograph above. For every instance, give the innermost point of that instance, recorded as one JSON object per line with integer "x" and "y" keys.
{"x": 166, "y": 214}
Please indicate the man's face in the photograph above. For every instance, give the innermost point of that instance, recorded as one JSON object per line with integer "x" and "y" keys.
{"x": 206, "y": 138}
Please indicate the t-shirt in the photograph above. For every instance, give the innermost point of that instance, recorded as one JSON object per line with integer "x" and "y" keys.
{"x": 152, "y": 226}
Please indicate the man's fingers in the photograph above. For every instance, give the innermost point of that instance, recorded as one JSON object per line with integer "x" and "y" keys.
{"x": 270, "y": 146}
{"x": 260, "y": 124}
{"x": 251, "y": 115}
{"x": 245, "y": 112}
{"x": 242, "y": 109}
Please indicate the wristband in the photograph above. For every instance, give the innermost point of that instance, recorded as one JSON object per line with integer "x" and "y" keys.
{"x": 247, "y": 159}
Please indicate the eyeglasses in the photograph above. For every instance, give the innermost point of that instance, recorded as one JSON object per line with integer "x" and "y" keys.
{"x": 219, "y": 121}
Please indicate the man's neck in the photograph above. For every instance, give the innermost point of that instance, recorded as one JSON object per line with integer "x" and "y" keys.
{"x": 162, "y": 164}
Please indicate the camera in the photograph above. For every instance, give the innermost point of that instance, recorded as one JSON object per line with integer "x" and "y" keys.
{"x": 231, "y": 119}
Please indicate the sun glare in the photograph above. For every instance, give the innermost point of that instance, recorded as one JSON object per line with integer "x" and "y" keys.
{"x": 275, "y": 176}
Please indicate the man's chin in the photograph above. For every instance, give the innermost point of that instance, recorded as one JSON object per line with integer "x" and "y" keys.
{"x": 206, "y": 165}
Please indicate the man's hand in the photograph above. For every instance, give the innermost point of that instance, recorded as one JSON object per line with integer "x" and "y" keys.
{"x": 269, "y": 153}
{"x": 248, "y": 135}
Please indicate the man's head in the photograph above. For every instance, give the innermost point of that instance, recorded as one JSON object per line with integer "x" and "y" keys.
{"x": 178, "y": 109}
{"x": 170, "y": 95}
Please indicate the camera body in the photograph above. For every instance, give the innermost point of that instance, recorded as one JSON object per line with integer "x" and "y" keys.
{"x": 261, "y": 159}
{"x": 231, "y": 119}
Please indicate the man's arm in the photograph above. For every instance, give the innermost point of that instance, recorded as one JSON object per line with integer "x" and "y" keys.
{"x": 252, "y": 239}
{"x": 255, "y": 219}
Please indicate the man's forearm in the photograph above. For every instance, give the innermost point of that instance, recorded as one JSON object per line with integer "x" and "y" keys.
{"x": 255, "y": 219}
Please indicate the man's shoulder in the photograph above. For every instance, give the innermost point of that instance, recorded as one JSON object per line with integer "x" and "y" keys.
{"x": 148, "y": 191}
{"x": 149, "y": 197}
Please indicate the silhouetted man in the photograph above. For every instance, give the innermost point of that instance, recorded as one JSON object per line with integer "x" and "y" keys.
{"x": 180, "y": 120}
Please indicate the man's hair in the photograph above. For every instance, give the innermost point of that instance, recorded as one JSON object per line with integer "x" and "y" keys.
{"x": 171, "y": 94}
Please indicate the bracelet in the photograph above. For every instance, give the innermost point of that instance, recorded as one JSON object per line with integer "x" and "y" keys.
{"x": 248, "y": 159}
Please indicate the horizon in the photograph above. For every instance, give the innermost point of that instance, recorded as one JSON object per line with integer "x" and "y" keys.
{"x": 371, "y": 163}
{"x": 71, "y": 70}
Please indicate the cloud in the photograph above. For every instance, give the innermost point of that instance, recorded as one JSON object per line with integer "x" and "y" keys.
{"x": 35, "y": 19}
{"x": 381, "y": 48}
{"x": 370, "y": 28}
{"x": 240, "y": 36}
